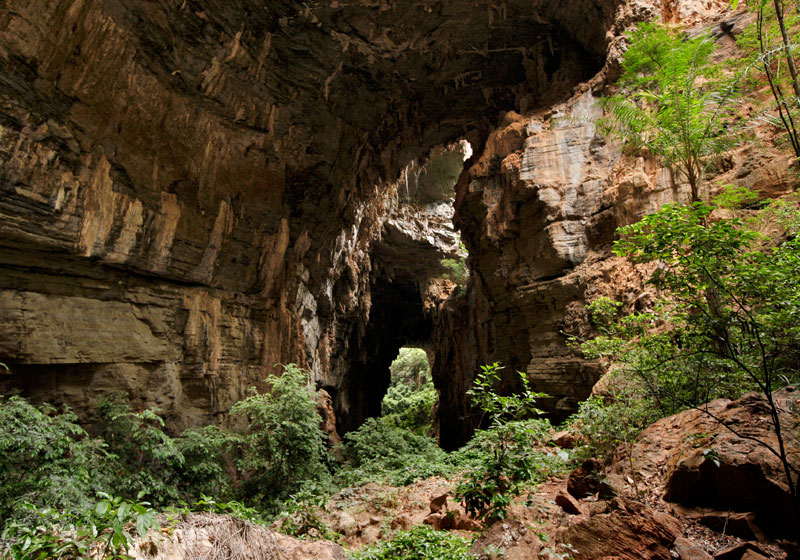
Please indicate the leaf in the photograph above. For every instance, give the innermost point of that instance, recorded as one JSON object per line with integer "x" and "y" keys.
{"x": 102, "y": 507}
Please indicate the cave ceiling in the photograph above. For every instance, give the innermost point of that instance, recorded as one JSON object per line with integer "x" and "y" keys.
{"x": 339, "y": 82}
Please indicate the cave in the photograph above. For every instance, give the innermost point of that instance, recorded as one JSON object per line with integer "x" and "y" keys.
{"x": 192, "y": 192}
{"x": 397, "y": 319}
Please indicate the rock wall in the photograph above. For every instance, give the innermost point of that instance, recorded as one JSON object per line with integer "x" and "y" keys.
{"x": 191, "y": 191}
{"x": 538, "y": 207}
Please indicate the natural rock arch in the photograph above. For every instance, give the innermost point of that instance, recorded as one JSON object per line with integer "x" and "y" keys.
{"x": 195, "y": 191}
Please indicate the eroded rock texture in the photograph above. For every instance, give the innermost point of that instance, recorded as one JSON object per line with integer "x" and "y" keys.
{"x": 538, "y": 207}
{"x": 192, "y": 191}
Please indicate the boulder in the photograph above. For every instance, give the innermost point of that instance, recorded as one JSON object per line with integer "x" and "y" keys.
{"x": 584, "y": 480}
{"x": 451, "y": 520}
{"x": 565, "y": 439}
{"x": 741, "y": 551}
{"x": 207, "y": 535}
{"x": 439, "y": 503}
{"x": 568, "y": 503}
{"x": 687, "y": 550}
{"x": 610, "y": 486}
{"x": 723, "y": 464}
{"x": 630, "y": 531}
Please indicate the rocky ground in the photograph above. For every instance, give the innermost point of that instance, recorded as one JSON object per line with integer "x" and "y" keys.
{"x": 698, "y": 491}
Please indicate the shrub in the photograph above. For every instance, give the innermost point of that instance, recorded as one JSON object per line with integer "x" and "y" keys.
{"x": 46, "y": 458}
{"x": 607, "y": 425}
{"x": 148, "y": 461}
{"x": 381, "y": 452}
{"x": 204, "y": 471}
{"x": 420, "y": 543}
{"x": 102, "y": 532}
{"x": 283, "y": 447}
{"x": 410, "y": 408}
{"x": 487, "y": 489}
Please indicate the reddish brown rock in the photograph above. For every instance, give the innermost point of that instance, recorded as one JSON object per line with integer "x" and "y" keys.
{"x": 741, "y": 551}
{"x": 739, "y": 476}
{"x": 630, "y": 531}
{"x": 512, "y": 537}
{"x": 325, "y": 409}
{"x": 565, "y": 440}
{"x": 610, "y": 486}
{"x": 451, "y": 520}
{"x": 584, "y": 480}
{"x": 687, "y": 550}
{"x": 438, "y": 503}
{"x": 568, "y": 503}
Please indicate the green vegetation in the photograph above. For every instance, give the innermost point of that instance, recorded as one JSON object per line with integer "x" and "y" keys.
{"x": 508, "y": 459}
{"x": 282, "y": 449}
{"x": 674, "y": 102}
{"x": 420, "y": 543}
{"x": 102, "y": 532}
{"x": 381, "y": 452}
{"x": 54, "y": 472}
{"x": 409, "y": 402}
{"x": 770, "y": 45}
{"x": 727, "y": 320}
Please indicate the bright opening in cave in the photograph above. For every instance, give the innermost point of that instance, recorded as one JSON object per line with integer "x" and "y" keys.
{"x": 417, "y": 263}
{"x": 411, "y": 396}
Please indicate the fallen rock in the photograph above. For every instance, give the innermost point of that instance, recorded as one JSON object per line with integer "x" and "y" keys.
{"x": 451, "y": 520}
{"x": 595, "y": 508}
{"x": 696, "y": 461}
{"x": 345, "y": 524}
{"x": 752, "y": 555}
{"x": 402, "y": 522}
{"x": 208, "y": 535}
{"x": 512, "y": 537}
{"x": 741, "y": 551}
{"x": 438, "y": 503}
{"x": 584, "y": 480}
{"x": 687, "y": 550}
{"x": 630, "y": 531}
{"x": 568, "y": 503}
{"x": 742, "y": 525}
{"x": 565, "y": 439}
{"x": 370, "y": 534}
{"x": 610, "y": 486}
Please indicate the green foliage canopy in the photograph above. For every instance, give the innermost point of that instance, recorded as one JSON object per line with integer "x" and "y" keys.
{"x": 673, "y": 101}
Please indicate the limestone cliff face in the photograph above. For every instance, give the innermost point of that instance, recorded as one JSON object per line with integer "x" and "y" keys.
{"x": 192, "y": 191}
{"x": 538, "y": 208}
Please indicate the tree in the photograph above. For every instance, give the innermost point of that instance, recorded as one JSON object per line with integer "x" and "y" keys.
{"x": 771, "y": 44}
{"x": 728, "y": 317}
{"x": 674, "y": 102}
{"x": 283, "y": 447}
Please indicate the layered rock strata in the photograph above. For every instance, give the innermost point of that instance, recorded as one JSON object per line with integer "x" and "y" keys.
{"x": 191, "y": 190}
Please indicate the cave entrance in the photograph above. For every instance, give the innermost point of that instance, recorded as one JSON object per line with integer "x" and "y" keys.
{"x": 412, "y": 270}
{"x": 411, "y": 395}
{"x": 397, "y": 318}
